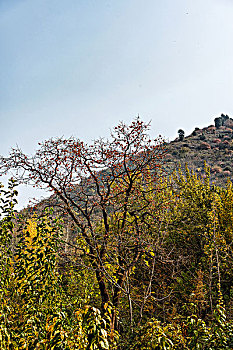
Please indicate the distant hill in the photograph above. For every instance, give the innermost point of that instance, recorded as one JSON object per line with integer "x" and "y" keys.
{"x": 212, "y": 144}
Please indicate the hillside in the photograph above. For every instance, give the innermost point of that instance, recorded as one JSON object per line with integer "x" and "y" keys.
{"x": 212, "y": 144}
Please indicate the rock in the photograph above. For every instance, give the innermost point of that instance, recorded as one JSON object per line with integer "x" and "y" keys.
{"x": 229, "y": 123}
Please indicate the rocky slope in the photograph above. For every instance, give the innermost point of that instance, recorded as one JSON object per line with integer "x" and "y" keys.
{"x": 212, "y": 144}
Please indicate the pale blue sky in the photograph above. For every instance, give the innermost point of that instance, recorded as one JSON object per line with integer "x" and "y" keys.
{"x": 77, "y": 67}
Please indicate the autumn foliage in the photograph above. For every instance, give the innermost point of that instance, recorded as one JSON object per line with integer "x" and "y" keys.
{"x": 147, "y": 263}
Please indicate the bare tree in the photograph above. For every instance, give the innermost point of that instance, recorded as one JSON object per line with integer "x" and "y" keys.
{"x": 107, "y": 190}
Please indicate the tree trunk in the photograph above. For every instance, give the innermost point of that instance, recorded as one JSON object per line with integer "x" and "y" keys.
{"x": 103, "y": 290}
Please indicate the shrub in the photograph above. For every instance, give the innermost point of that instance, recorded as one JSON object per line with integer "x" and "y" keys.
{"x": 35, "y": 311}
{"x": 204, "y": 146}
{"x": 216, "y": 169}
{"x": 227, "y": 168}
{"x": 202, "y": 137}
{"x": 181, "y": 134}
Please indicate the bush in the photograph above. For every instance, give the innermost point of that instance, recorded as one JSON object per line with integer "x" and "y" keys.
{"x": 202, "y": 137}
{"x": 35, "y": 311}
{"x": 190, "y": 333}
{"x": 216, "y": 141}
{"x": 204, "y": 146}
{"x": 181, "y": 134}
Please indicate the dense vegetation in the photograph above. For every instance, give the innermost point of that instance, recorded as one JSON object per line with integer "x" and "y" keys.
{"x": 149, "y": 265}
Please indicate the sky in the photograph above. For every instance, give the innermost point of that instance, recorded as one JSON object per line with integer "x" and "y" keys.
{"x": 78, "y": 67}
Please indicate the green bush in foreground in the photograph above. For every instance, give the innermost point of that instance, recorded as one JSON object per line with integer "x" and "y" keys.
{"x": 186, "y": 333}
{"x": 33, "y": 307}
